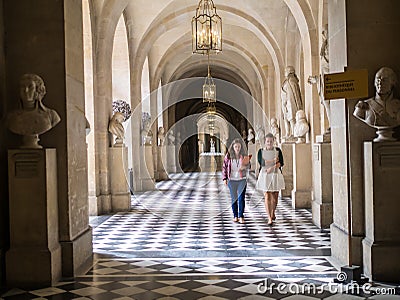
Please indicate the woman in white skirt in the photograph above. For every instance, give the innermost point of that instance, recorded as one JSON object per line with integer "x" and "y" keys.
{"x": 270, "y": 178}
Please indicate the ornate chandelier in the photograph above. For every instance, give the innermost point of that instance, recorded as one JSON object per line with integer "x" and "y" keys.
{"x": 206, "y": 29}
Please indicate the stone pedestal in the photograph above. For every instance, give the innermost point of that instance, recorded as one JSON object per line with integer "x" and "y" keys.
{"x": 178, "y": 149}
{"x": 119, "y": 179}
{"x": 161, "y": 152}
{"x": 287, "y": 169}
{"x": 302, "y": 177}
{"x": 34, "y": 257}
{"x": 252, "y": 151}
{"x": 322, "y": 200}
{"x": 207, "y": 163}
{"x": 169, "y": 160}
{"x": 381, "y": 245}
{"x": 211, "y": 162}
{"x": 147, "y": 168}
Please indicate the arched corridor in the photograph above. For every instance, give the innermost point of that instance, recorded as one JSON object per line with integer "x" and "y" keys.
{"x": 114, "y": 131}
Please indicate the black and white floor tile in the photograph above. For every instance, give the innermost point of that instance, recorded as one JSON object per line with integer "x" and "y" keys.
{"x": 179, "y": 242}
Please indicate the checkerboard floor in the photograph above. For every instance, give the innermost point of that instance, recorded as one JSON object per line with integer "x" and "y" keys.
{"x": 179, "y": 242}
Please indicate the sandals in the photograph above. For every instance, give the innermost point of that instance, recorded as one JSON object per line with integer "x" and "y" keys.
{"x": 241, "y": 220}
{"x": 235, "y": 219}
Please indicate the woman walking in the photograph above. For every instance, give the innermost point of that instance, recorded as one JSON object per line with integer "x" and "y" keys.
{"x": 234, "y": 172}
{"x": 270, "y": 179}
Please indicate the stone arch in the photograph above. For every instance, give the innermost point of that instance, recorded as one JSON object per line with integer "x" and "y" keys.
{"x": 104, "y": 34}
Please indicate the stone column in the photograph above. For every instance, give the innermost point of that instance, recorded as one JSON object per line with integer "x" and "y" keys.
{"x": 322, "y": 209}
{"x": 169, "y": 160}
{"x": 301, "y": 193}
{"x": 287, "y": 169}
{"x": 34, "y": 257}
{"x": 178, "y": 147}
{"x": 381, "y": 245}
{"x": 161, "y": 152}
{"x": 120, "y": 195}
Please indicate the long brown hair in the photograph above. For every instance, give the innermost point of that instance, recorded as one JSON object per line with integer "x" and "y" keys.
{"x": 231, "y": 151}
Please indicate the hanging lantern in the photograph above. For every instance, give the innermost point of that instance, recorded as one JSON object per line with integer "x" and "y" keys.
{"x": 209, "y": 90}
{"x": 206, "y": 29}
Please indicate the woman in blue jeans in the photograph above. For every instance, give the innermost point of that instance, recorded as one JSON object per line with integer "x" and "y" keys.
{"x": 234, "y": 175}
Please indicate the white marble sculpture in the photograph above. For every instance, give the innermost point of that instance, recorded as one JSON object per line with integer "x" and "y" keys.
{"x": 301, "y": 128}
{"x": 291, "y": 100}
{"x": 146, "y": 132}
{"x": 250, "y": 136}
{"x": 383, "y": 110}
{"x": 121, "y": 113}
{"x": 244, "y": 135}
{"x": 116, "y": 128}
{"x": 319, "y": 79}
{"x": 274, "y": 129}
{"x": 161, "y": 136}
{"x": 212, "y": 145}
{"x": 260, "y": 135}
{"x": 171, "y": 138}
{"x": 33, "y": 117}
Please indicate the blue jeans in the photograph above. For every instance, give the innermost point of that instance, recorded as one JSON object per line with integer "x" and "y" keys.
{"x": 237, "y": 189}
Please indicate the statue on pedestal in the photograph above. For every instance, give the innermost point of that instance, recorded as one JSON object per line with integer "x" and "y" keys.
{"x": 212, "y": 145}
{"x": 116, "y": 128}
{"x": 319, "y": 79}
{"x": 301, "y": 127}
{"x": 291, "y": 100}
{"x": 383, "y": 110}
{"x": 33, "y": 117}
{"x": 122, "y": 112}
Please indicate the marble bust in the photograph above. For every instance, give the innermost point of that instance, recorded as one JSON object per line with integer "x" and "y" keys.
{"x": 383, "y": 110}
{"x": 301, "y": 127}
{"x": 116, "y": 128}
{"x": 33, "y": 117}
{"x": 260, "y": 135}
{"x": 250, "y": 136}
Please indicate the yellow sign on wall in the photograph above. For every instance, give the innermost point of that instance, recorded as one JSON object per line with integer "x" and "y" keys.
{"x": 350, "y": 84}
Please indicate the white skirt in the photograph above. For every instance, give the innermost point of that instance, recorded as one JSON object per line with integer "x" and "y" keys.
{"x": 270, "y": 182}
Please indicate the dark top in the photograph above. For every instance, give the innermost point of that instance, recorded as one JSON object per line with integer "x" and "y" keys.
{"x": 262, "y": 162}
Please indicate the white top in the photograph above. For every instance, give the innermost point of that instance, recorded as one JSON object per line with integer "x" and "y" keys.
{"x": 235, "y": 170}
